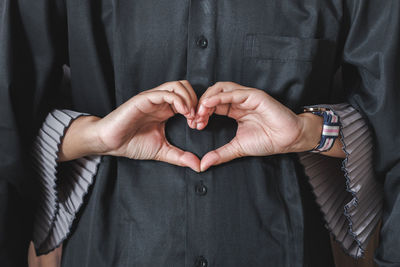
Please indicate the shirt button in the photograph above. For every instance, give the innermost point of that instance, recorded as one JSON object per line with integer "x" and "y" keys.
{"x": 201, "y": 262}
{"x": 200, "y": 189}
{"x": 202, "y": 42}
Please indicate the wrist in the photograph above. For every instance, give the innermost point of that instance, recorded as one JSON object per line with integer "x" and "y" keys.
{"x": 92, "y": 137}
{"x": 310, "y": 133}
{"x": 80, "y": 139}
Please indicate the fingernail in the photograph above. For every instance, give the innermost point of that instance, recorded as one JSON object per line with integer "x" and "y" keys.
{"x": 192, "y": 112}
{"x": 202, "y": 167}
{"x": 200, "y": 125}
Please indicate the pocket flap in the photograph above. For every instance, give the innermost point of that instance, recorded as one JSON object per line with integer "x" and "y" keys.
{"x": 282, "y": 48}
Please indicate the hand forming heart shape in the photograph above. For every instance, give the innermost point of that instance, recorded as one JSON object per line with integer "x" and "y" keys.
{"x": 136, "y": 129}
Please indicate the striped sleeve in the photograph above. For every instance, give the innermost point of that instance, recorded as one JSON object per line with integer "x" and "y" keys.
{"x": 347, "y": 190}
{"x": 61, "y": 192}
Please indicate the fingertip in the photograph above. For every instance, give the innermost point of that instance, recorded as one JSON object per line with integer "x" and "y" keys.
{"x": 192, "y": 124}
{"x": 196, "y": 168}
{"x": 186, "y": 110}
{"x": 190, "y": 114}
{"x": 208, "y": 160}
{"x": 198, "y": 118}
{"x": 200, "y": 125}
{"x": 182, "y": 108}
{"x": 188, "y": 117}
{"x": 204, "y": 166}
{"x": 191, "y": 161}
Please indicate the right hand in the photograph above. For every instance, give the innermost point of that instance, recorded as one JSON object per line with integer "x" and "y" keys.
{"x": 136, "y": 129}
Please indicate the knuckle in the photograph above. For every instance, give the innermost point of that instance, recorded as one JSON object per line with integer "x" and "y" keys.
{"x": 169, "y": 84}
{"x": 163, "y": 85}
{"x": 140, "y": 96}
{"x": 229, "y": 83}
{"x": 176, "y": 84}
{"x": 144, "y": 92}
{"x": 158, "y": 156}
{"x": 260, "y": 92}
{"x": 169, "y": 95}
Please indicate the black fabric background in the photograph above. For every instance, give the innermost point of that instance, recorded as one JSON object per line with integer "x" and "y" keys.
{"x": 116, "y": 49}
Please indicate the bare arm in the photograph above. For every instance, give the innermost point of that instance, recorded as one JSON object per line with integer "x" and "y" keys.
{"x": 53, "y": 259}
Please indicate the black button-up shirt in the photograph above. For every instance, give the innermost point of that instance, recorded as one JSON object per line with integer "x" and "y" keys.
{"x": 248, "y": 212}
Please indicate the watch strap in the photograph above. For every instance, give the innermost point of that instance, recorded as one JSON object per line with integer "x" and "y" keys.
{"x": 330, "y": 128}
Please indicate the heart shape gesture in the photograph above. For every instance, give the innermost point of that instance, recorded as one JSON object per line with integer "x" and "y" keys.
{"x": 136, "y": 129}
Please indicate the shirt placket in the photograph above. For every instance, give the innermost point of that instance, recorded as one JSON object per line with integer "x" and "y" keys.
{"x": 201, "y": 55}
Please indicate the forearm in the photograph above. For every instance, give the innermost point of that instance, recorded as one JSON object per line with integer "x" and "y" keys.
{"x": 311, "y": 135}
{"x": 80, "y": 139}
{"x": 52, "y": 259}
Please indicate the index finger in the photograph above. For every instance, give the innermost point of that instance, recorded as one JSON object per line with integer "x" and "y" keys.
{"x": 204, "y": 112}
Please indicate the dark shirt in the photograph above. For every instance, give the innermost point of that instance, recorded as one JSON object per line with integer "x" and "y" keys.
{"x": 148, "y": 213}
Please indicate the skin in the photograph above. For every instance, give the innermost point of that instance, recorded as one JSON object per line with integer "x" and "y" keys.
{"x": 265, "y": 126}
{"x": 53, "y": 259}
{"x": 136, "y": 129}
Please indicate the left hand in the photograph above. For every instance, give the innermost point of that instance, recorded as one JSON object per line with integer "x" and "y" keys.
{"x": 265, "y": 126}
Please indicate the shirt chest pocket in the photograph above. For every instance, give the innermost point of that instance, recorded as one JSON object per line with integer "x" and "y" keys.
{"x": 293, "y": 70}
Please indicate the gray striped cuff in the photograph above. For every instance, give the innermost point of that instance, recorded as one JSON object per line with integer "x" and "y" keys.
{"x": 346, "y": 189}
{"x": 61, "y": 193}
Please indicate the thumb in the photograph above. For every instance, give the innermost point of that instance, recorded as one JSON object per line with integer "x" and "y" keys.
{"x": 173, "y": 155}
{"x": 222, "y": 154}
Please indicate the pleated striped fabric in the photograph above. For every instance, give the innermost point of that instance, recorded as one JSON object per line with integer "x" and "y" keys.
{"x": 347, "y": 191}
{"x": 61, "y": 193}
